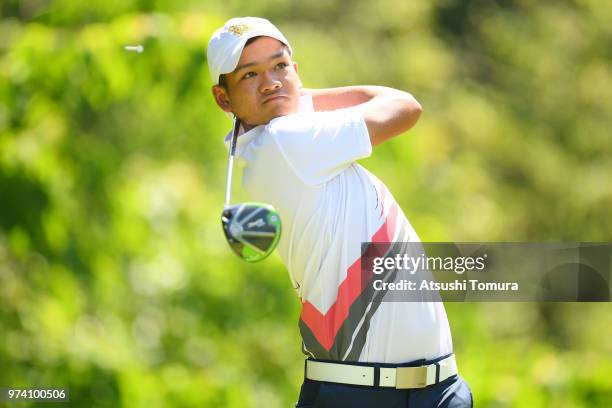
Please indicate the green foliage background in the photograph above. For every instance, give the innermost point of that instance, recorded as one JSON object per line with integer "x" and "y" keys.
{"x": 115, "y": 279}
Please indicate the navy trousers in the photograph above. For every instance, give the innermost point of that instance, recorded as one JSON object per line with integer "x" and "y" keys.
{"x": 453, "y": 392}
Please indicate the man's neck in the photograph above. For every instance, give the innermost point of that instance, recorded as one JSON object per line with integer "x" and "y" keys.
{"x": 247, "y": 127}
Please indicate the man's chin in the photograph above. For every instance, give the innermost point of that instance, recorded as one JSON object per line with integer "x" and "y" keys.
{"x": 277, "y": 113}
{"x": 283, "y": 111}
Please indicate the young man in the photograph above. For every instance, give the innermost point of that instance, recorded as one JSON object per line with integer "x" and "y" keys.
{"x": 300, "y": 148}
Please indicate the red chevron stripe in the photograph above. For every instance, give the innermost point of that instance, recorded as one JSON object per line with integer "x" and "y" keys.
{"x": 326, "y": 326}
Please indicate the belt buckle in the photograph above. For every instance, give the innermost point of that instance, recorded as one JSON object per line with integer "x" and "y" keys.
{"x": 415, "y": 377}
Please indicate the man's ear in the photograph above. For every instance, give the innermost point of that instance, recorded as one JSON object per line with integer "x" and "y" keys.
{"x": 222, "y": 98}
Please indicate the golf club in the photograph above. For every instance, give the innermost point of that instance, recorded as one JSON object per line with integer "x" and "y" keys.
{"x": 252, "y": 229}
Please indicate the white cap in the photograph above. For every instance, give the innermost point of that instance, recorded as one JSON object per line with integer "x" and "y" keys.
{"x": 226, "y": 44}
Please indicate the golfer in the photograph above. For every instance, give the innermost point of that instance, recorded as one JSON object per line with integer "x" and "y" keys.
{"x": 300, "y": 149}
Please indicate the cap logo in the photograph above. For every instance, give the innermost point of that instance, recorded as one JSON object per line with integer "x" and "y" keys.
{"x": 239, "y": 29}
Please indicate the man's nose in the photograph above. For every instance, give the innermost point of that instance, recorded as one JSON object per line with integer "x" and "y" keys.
{"x": 270, "y": 83}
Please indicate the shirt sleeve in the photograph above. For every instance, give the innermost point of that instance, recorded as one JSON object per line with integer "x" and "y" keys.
{"x": 320, "y": 145}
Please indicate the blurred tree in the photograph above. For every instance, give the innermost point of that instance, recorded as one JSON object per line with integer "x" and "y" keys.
{"x": 115, "y": 279}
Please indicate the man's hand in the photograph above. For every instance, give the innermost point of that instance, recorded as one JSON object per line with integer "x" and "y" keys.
{"x": 387, "y": 112}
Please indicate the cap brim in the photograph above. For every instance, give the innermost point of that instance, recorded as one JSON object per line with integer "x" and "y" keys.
{"x": 230, "y": 64}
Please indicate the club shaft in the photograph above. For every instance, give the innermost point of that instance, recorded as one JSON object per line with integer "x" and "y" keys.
{"x": 230, "y": 163}
{"x": 228, "y": 185}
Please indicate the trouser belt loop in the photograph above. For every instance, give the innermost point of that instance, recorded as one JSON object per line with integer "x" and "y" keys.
{"x": 437, "y": 372}
{"x": 376, "y": 375}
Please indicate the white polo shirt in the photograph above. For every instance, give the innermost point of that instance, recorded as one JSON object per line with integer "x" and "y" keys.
{"x": 304, "y": 164}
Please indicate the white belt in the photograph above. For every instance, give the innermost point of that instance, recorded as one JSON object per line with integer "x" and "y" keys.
{"x": 398, "y": 377}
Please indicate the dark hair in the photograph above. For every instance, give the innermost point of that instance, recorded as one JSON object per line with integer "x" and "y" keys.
{"x": 223, "y": 79}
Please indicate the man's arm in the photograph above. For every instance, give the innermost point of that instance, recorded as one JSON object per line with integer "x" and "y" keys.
{"x": 387, "y": 112}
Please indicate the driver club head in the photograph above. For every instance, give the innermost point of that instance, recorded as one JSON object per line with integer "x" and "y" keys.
{"x": 251, "y": 229}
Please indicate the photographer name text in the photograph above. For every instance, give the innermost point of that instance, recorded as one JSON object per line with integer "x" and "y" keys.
{"x": 456, "y": 285}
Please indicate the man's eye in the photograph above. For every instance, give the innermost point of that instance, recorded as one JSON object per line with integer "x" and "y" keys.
{"x": 248, "y": 75}
{"x": 281, "y": 65}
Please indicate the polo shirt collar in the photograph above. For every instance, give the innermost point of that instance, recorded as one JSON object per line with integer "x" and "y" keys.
{"x": 244, "y": 138}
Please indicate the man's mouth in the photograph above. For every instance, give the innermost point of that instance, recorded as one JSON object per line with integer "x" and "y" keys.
{"x": 272, "y": 98}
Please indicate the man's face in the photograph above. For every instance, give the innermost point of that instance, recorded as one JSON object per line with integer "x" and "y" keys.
{"x": 264, "y": 85}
